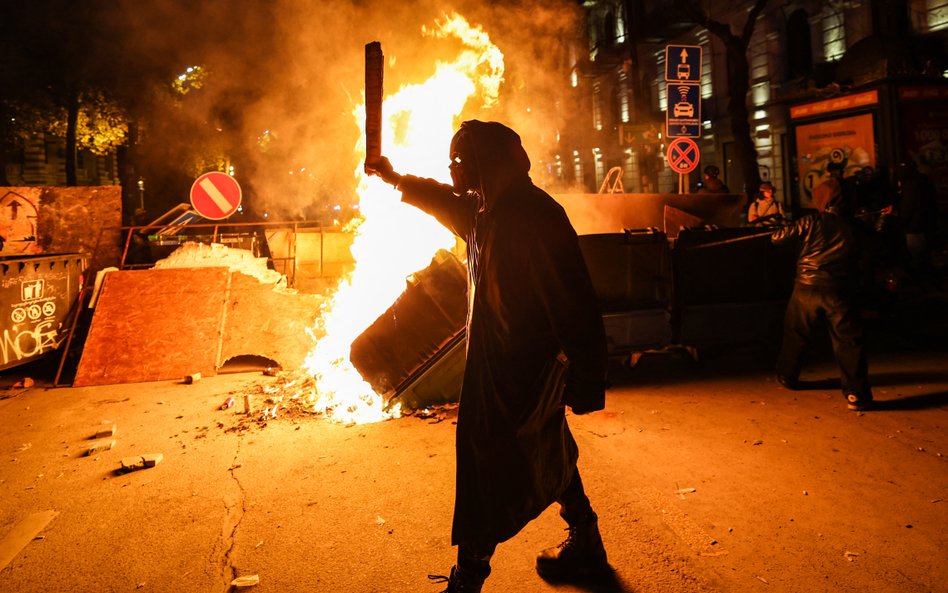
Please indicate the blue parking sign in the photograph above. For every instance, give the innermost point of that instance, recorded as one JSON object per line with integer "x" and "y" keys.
{"x": 683, "y": 63}
{"x": 683, "y": 115}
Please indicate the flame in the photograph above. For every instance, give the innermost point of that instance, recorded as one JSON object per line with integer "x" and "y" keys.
{"x": 394, "y": 240}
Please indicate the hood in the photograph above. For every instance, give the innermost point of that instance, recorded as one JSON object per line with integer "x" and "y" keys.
{"x": 501, "y": 159}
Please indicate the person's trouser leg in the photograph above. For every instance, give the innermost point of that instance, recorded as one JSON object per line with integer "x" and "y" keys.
{"x": 798, "y": 323}
{"x": 582, "y": 555}
{"x": 471, "y": 570}
{"x": 848, "y": 347}
{"x": 574, "y": 504}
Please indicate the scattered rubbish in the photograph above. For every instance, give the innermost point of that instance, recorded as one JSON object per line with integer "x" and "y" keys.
{"x": 686, "y": 490}
{"x": 228, "y": 403}
{"x": 850, "y": 555}
{"x": 259, "y": 543}
{"x": 909, "y": 526}
{"x": 248, "y": 408}
{"x": 761, "y": 579}
{"x": 379, "y": 520}
{"x": 758, "y": 442}
{"x": 270, "y": 372}
{"x": 247, "y": 581}
{"x": 25, "y": 446}
{"x": 24, "y": 383}
{"x": 192, "y": 378}
{"x": 132, "y": 463}
{"x": 99, "y": 446}
{"x": 152, "y": 459}
{"x": 39, "y": 538}
{"x": 104, "y": 432}
{"x": 805, "y": 493}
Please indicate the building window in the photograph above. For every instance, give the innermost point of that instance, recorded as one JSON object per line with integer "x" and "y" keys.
{"x": 799, "y": 52}
{"x": 834, "y": 34}
{"x": 620, "y": 26}
{"x": 929, "y": 15}
{"x": 597, "y": 106}
{"x": 707, "y": 88}
{"x": 624, "y": 97}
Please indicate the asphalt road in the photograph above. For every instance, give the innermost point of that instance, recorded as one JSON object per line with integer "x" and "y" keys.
{"x": 791, "y": 491}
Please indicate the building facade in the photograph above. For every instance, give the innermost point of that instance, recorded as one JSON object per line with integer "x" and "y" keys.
{"x": 858, "y": 81}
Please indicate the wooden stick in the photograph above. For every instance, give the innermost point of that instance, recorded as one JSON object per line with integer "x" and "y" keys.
{"x": 729, "y": 241}
{"x": 374, "y": 66}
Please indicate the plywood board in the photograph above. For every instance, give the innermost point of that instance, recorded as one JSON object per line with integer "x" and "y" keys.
{"x": 263, "y": 321}
{"x": 154, "y": 325}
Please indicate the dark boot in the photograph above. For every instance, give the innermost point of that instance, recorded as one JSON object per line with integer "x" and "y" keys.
{"x": 581, "y": 556}
{"x": 463, "y": 580}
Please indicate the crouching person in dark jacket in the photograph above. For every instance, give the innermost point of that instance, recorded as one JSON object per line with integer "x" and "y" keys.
{"x": 825, "y": 287}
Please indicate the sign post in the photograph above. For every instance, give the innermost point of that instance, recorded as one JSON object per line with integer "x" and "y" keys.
{"x": 683, "y": 107}
{"x": 215, "y": 195}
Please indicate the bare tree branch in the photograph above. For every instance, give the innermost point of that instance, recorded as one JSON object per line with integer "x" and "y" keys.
{"x": 751, "y": 21}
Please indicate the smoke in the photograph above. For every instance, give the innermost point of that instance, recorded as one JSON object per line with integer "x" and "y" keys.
{"x": 285, "y": 76}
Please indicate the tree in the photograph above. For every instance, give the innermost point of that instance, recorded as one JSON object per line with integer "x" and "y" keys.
{"x": 738, "y": 80}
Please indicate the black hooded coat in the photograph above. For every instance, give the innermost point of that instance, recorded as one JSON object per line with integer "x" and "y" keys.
{"x": 530, "y": 301}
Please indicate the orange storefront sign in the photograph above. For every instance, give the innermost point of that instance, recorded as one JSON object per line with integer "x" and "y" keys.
{"x": 835, "y": 104}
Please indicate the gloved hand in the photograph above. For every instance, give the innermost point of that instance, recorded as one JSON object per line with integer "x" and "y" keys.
{"x": 383, "y": 168}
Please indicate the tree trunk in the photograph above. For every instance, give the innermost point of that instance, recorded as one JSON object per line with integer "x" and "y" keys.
{"x": 738, "y": 82}
{"x": 72, "y": 123}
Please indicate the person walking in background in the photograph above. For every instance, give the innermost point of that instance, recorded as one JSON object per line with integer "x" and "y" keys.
{"x": 825, "y": 287}
{"x": 765, "y": 209}
{"x": 535, "y": 342}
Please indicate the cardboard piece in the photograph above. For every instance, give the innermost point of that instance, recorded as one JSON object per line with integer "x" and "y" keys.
{"x": 23, "y": 533}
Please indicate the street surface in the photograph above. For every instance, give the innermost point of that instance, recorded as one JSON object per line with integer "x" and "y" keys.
{"x": 707, "y": 477}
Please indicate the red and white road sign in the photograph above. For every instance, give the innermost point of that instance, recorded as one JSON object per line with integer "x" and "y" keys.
{"x": 215, "y": 195}
{"x": 683, "y": 155}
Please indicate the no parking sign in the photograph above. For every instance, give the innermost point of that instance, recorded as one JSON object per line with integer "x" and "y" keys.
{"x": 683, "y": 155}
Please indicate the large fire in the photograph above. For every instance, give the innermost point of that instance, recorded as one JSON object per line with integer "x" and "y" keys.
{"x": 394, "y": 240}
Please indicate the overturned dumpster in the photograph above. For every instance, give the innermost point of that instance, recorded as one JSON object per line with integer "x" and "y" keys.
{"x": 413, "y": 353}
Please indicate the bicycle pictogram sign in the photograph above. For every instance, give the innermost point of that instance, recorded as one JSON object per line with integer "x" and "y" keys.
{"x": 683, "y": 155}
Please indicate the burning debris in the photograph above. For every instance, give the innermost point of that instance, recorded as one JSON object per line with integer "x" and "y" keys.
{"x": 394, "y": 240}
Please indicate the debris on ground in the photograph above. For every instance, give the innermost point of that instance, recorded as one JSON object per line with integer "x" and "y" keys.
{"x": 137, "y": 462}
{"x": 99, "y": 446}
{"x": 247, "y": 581}
{"x": 105, "y": 432}
{"x": 24, "y": 383}
{"x": 850, "y": 555}
{"x": 192, "y": 378}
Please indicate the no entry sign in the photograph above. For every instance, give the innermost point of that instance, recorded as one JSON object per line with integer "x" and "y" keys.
{"x": 683, "y": 155}
{"x": 215, "y": 195}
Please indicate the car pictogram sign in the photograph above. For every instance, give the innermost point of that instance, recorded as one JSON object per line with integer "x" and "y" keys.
{"x": 683, "y": 155}
{"x": 215, "y": 195}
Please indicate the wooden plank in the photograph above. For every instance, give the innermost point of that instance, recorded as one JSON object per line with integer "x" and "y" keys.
{"x": 22, "y": 534}
{"x": 155, "y": 325}
{"x": 268, "y": 322}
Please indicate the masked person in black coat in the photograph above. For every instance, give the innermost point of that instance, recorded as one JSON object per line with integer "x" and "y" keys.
{"x": 827, "y": 274}
{"x": 535, "y": 343}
